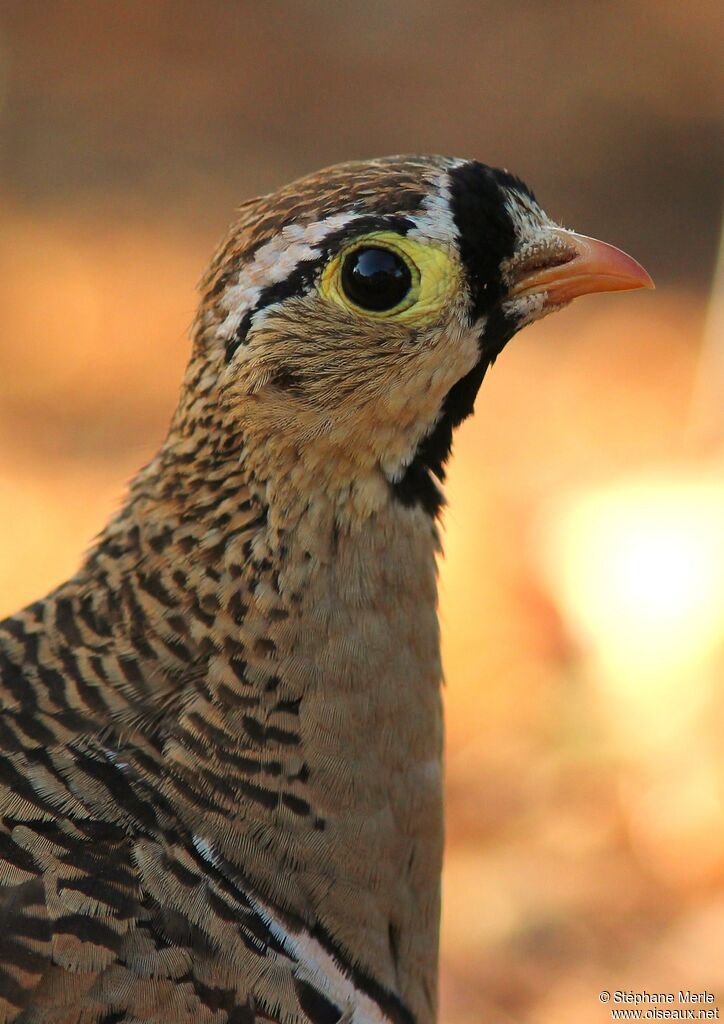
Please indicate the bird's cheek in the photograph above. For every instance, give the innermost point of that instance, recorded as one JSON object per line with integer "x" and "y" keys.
{"x": 457, "y": 353}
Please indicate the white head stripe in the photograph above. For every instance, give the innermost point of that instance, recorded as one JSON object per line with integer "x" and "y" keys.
{"x": 435, "y": 219}
{"x": 273, "y": 263}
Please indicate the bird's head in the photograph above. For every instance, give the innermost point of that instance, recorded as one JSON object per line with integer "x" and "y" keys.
{"x": 349, "y": 318}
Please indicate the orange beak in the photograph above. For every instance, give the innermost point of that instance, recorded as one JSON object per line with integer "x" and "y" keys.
{"x": 578, "y": 265}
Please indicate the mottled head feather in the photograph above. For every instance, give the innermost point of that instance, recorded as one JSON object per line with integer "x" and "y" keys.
{"x": 264, "y": 277}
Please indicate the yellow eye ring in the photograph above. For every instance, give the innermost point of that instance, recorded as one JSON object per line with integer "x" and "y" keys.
{"x": 430, "y": 275}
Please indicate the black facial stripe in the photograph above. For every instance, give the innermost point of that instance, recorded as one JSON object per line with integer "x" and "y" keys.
{"x": 511, "y": 181}
{"x": 305, "y": 273}
{"x": 239, "y": 335}
{"x": 416, "y": 487}
{"x": 486, "y": 231}
{"x": 296, "y": 284}
{"x": 486, "y": 237}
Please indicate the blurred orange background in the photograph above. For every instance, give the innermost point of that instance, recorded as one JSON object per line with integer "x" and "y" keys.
{"x": 582, "y": 592}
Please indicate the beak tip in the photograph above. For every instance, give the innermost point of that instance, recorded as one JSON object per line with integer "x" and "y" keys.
{"x": 639, "y": 275}
{"x": 643, "y": 281}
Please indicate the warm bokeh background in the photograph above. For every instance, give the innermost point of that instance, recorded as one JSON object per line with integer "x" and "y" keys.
{"x": 583, "y": 586}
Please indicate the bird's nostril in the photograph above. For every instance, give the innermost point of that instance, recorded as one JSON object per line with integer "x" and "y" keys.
{"x": 544, "y": 262}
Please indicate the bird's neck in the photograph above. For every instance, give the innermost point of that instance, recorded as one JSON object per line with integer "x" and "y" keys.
{"x": 270, "y": 641}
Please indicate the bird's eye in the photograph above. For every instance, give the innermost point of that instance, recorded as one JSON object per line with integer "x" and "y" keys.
{"x": 375, "y": 278}
{"x": 391, "y": 277}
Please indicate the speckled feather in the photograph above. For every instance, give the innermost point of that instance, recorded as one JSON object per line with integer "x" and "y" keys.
{"x": 220, "y": 744}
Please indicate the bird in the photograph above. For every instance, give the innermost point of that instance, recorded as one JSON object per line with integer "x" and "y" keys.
{"x": 221, "y": 740}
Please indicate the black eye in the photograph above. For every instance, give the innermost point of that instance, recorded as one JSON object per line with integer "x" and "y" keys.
{"x": 375, "y": 278}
